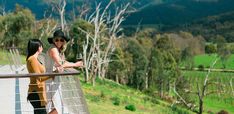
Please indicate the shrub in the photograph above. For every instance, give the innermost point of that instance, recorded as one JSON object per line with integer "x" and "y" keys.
{"x": 155, "y": 101}
{"x": 223, "y": 112}
{"x": 201, "y": 67}
{"x": 95, "y": 98}
{"x": 116, "y": 100}
{"x": 210, "y": 112}
{"x": 130, "y": 107}
{"x": 103, "y": 95}
{"x": 179, "y": 110}
{"x": 211, "y": 48}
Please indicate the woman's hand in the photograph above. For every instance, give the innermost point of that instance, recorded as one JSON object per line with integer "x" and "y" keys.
{"x": 79, "y": 64}
{"x": 60, "y": 68}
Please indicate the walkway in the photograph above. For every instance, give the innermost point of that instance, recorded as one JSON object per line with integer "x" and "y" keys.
{"x": 11, "y": 101}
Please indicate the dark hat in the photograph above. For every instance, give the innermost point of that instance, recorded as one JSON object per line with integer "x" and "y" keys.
{"x": 58, "y": 33}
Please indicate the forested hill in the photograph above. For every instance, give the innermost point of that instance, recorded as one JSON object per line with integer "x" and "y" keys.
{"x": 179, "y": 12}
{"x": 210, "y": 27}
{"x": 39, "y": 7}
{"x": 147, "y": 11}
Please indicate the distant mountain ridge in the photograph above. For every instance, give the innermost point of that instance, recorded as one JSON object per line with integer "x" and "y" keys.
{"x": 179, "y": 12}
{"x": 211, "y": 26}
{"x": 148, "y": 12}
{"x": 39, "y": 7}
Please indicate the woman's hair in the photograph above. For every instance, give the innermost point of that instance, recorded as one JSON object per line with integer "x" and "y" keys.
{"x": 63, "y": 48}
{"x": 33, "y": 46}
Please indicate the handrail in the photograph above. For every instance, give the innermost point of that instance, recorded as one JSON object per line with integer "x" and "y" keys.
{"x": 69, "y": 88}
{"x": 12, "y": 47}
{"x": 74, "y": 72}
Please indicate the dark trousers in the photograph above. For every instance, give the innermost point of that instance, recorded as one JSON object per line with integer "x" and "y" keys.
{"x": 36, "y": 103}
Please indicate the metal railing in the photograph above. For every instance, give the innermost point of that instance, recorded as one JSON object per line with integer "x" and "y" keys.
{"x": 72, "y": 98}
{"x": 14, "y": 59}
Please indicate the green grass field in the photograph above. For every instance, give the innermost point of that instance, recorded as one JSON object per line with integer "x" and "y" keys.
{"x": 206, "y": 60}
{"x": 216, "y": 101}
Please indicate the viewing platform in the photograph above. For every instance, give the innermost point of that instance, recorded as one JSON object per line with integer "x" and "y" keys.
{"x": 14, "y": 89}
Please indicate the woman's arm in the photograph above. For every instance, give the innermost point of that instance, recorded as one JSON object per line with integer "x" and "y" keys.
{"x": 58, "y": 60}
{"x": 70, "y": 64}
{"x": 54, "y": 54}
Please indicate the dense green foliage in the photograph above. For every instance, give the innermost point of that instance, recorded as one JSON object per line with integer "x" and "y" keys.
{"x": 16, "y": 27}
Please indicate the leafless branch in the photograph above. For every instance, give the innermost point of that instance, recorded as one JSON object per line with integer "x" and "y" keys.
{"x": 106, "y": 28}
{"x": 202, "y": 91}
{"x": 231, "y": 86}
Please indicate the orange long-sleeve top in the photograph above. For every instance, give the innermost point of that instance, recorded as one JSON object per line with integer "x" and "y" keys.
{"x": 37, "y": 83}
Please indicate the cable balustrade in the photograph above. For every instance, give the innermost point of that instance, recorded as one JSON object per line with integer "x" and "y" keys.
{"x": 68, "y": 87}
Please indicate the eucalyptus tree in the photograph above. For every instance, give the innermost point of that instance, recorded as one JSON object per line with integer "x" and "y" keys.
{"x": 140, "y": 63}
{"x": 17, "y": 27}
{"x": 187, "y": 57}
{"x": 222, "y": 50}
{"x": 99, "y": 38}
{"x": 165, "y": 68}
{"x": 117, "y": 69}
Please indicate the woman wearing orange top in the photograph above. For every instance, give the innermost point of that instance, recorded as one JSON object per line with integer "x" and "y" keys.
{"x": 36, "y": 91}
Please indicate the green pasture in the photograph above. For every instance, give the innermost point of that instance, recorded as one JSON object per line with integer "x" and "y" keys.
{"x": 221, "y": 97}
{"x": 206, "y": 60}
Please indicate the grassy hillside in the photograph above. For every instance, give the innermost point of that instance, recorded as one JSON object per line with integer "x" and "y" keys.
{"x": 107, "y": 97}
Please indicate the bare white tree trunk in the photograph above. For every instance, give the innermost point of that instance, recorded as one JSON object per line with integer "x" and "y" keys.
{"x": 47, "y": 28}
{"x": 85, "y": 58}
{"x": 231, "y": 87}
{"x": 3, "y": 8}
{"x": 146, "y": 81}
{"x": 59, "y": 6}
{"x": 106, "y": 27}
{"x": 84, "y": 8}
{"x": 188, "y": 105}
{"x": 112, "y": 32}
{"x": 202, "y": 91}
